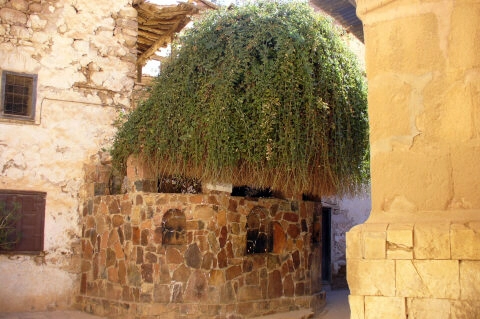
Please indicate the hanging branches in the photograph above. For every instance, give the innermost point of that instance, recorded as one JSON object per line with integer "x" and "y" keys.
{"x": 265, "y": 95}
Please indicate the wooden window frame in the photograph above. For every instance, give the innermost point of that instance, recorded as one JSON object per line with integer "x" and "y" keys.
{"x": 31, "y": 223}
{"x": 31, "y": 96}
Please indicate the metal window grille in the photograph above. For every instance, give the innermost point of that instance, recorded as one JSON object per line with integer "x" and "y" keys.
{"x": 18, "y": 94}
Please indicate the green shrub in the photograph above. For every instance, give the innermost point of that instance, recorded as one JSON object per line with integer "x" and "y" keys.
{"x": 266, "y": 95}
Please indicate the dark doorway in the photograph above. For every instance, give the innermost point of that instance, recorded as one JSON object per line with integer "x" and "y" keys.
{"x": 326, "y": 244}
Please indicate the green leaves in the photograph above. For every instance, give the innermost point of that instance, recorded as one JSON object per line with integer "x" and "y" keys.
{"x": 266, "y": 95}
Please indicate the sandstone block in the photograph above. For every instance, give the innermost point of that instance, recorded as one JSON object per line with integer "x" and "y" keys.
{"x": 247, "y": 293}
{"x": 197, "y": 287}
{"x": 384, "y": 307}
{"x": 354, "y": 243}
{"x": 400, "y": 241}
{"x": 428, "y": 278}
{"x": 293, "y": 231}
{"x": 470, "y": 279}
{"x": 357, "y": 306}
{"x": 465, "y": 240}
{"x": 233, "y": 272}
{"x": 20, "y": 5}
{"x": 12, "y": 16}
{"x": 462, "y": 309}
{"x": 35, "y": 7}
{"x": 465, "y": 21}
{"x": 161, "y": 294}
{"x": 420, "y": 308}
{"x": 275, "y": 287}
{"x": 371, "y": 277}
{"x": 193, "y": 256}
{"x": 374, "y": 241}
{"x": 128, "y": 12}
{"x": 279, "y": 238}
{"x": 216, "y": 278}
{"x": 203, "y": 212}
{"x": 288, "y": 286}
{"x": 20, "y": 32}
{"x": 37, "y": 23}
{"x": 431, "y": 241}
{"x": 181, "y": 274}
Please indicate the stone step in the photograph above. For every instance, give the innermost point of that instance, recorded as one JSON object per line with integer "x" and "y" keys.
{"x": 296, "y": 314}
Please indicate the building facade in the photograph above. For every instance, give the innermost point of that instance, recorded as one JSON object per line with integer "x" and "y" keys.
{"x": 68, "y": 68}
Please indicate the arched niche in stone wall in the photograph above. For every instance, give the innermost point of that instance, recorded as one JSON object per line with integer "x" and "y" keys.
{"x": 174, "y": 225}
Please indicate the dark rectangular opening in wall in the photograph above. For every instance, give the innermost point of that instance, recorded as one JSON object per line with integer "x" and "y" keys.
{"x": 179, "y": 184}
{"x": 326, "y": 244}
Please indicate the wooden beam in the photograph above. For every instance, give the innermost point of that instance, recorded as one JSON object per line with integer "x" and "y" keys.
{"x": 161, "y": 42}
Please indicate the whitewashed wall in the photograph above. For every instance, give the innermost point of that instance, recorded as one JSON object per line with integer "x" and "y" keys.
{"x": 83, "y": 52}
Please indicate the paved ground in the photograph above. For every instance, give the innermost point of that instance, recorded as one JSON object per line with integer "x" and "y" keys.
{"x": 336, "y": 308}
{"x": 337, "y": 305}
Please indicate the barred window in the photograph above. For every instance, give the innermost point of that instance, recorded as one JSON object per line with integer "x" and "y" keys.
{"x": 22, "y": 220}
{"x": 18, "y": 95}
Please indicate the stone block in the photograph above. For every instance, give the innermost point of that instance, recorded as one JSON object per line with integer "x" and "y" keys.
{"x": 233, "y": 272}
{"x": 465, "y": 240}
{"x": 371, "y": 277}
{"x": 470, "y": 280}
{"x": 247, "y": 293}
{"x": 203, "y": 212}
{"x": 197, "y": 287}
{"x": 357, "y": 306}
{"x": 462, "y": 309}
{"x": 216, "y": 278}
{"x": 279, "y": 238}
{"x": 420, "y": 308}
{"x": 400, "y": 241}
{"x": 275, "y": 287}
{"x": 431, "y": 241}
{"x": 12, "y": 16}
{"x": 428, "y": 278}
{"x": 374, "y": 238}
{"x": 384, "y": 307}
{"x": 354, "y": 243}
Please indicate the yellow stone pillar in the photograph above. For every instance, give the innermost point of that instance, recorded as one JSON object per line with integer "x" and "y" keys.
{"x": 418, "y": 255}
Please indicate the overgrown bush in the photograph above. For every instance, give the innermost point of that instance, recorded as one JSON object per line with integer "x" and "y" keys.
{"x": 266, "y": 95}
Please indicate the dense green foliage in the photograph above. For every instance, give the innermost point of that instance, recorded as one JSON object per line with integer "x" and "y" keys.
{"x": 265, "y": 95}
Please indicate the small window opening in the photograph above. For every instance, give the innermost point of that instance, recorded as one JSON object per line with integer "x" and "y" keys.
{"x": 259, "y": 239}
{"x": 174, "y": 224}
{"x": 18, "y": 95}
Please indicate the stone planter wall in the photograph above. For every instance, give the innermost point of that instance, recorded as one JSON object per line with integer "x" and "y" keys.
{"x": 130, "y": 271}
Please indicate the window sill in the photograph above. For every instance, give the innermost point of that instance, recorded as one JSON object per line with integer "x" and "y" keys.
{"x": 18, "y": 120}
